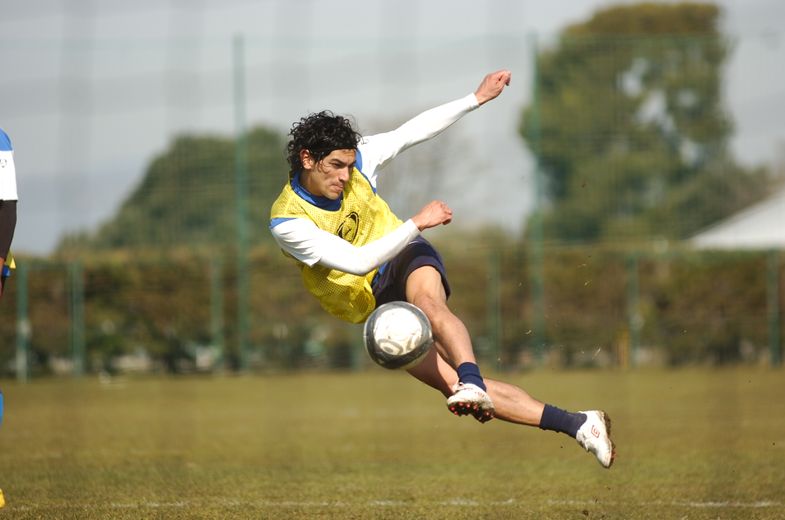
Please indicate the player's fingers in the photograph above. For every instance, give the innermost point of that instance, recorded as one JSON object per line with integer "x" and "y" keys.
{"x": 503, "y": 76}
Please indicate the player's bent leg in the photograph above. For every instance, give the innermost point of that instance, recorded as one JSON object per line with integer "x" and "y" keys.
{"x": 425, "y": 290}
{"x": 462, "y": 398}
{"x": 435, "y": 372}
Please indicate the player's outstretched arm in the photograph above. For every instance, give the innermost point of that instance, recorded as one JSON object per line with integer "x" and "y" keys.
{"x": 492, "y": 85}
{"x": 377, "y": 150}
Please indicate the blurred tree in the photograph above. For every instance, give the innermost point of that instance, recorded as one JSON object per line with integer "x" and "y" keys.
{"x": 629, "y": 129}
{"x": 187, "y": 196}
{"x": 186, "y": 208}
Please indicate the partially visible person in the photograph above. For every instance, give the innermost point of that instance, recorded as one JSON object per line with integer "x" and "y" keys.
{"x": 8, "y": 201}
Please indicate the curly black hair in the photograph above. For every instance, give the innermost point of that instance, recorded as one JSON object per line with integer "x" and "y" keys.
{"x": 320, "y": 134}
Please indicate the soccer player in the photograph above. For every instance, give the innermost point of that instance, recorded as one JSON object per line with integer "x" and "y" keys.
{"x": 8, "y": 200}
{"x": 355, "y": 254}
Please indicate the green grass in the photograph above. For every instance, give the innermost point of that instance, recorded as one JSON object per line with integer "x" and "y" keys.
{"x": 691, "y": 444}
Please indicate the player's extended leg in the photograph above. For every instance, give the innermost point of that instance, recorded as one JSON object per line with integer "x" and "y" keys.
{"x": 425, "y": 289}
{"x": 513, "y": 404}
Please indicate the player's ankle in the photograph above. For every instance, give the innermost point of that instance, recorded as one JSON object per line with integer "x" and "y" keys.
{"x": 469, "y": 373}
{"x": 558, "y": 420}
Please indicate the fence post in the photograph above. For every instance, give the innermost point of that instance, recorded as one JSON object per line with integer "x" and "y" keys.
{"x": 76, "y": 308}
{"x": 494, "y": 304}
{"x": 22, "y": 324}
{"x": 241, "y": 194}
{"x": 634, "y": 320}
{"x": 535, "y": 221}
{"x": 773, "y": 297}
{"x": 217, "y": 308}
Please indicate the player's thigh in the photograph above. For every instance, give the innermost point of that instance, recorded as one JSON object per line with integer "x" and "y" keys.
{"x": 424, "y": 287}
{"x": 435, "y": 372}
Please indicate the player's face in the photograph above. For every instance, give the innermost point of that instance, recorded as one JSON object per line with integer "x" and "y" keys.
{"x": 328, "y": 177}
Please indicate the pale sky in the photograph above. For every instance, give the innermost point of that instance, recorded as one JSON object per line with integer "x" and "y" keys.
{"x": 93, "y": 90}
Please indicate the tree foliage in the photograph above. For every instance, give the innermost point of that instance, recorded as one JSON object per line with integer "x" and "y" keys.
{"x": 188, "y": 196}
{"x": 691, "y": 307}
{"x": 629, "y": 128}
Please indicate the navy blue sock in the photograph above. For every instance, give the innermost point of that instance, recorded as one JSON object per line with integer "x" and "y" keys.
{"x": 470, "y": 373}
{"x": 558, "y": 420}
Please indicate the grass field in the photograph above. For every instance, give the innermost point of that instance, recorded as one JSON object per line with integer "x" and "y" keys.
{"x": 691, "y": 444}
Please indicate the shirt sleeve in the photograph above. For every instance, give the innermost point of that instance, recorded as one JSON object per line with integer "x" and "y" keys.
{"x": 8, "y": 189}
{"x": 377, "y": 150}
{"x": 302, "y": 239}
{"x": 5, "y": 142}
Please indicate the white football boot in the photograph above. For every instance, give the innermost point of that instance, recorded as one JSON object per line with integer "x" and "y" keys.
{"x": 594, "y": 435}
{"x": 470, "y": 399}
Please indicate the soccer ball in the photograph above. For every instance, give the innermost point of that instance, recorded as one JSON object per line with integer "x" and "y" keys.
{"x": 397, "y": 335}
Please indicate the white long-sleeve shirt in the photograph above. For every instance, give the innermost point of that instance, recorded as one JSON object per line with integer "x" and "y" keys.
{"x": 7, "y": 169}
{"x": 303, "y": 240}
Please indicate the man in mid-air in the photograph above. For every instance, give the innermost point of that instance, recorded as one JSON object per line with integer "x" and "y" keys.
{"x": 355, "y": 254}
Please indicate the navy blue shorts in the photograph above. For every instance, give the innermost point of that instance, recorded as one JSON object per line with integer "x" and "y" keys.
{"x": 390, "y": 282}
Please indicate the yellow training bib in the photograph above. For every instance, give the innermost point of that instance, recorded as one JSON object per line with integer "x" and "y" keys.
{"x": 362, "y": 218}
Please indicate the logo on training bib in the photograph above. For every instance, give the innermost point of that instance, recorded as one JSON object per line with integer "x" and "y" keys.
{"x": 348, "y": 228}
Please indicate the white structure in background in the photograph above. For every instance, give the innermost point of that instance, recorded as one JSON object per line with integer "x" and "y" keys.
{"x": 761, "y": 226}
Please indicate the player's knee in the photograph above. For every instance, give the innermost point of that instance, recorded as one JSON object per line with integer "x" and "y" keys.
{"x": 440, "y": 316}
{"x": 433, "y": 307}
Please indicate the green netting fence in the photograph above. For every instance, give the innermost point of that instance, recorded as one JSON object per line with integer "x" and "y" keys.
{"x": 628, "y": 140}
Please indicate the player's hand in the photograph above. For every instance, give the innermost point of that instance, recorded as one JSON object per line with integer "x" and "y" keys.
{"x": 433, "y": 214}
{"x": 492, "y": 85}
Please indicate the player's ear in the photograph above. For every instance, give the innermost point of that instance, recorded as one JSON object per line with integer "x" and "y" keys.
{"x": 307, "y": 159}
